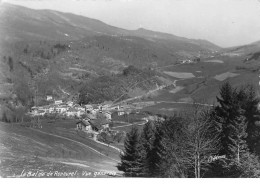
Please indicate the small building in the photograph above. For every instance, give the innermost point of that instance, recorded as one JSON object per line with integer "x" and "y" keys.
{"x": 78, "y": 107}
{"x": 88, "y": 108}
{"x": 57, "y": 102}
{"x": 40, "y": 113}
{"x": 70, "y": 103}
{"x": 99, "y": 125}
{"x": 84, "y": 126}
{"x": 71, "y": 112}
{"x": 107, "y": 114}
{"x": 49, "y": 98}
{"x": 51, "y": 109}
{"x": 62, "y": 109}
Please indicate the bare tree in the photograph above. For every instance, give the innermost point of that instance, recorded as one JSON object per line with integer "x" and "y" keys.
{"x": 201, "y": 140}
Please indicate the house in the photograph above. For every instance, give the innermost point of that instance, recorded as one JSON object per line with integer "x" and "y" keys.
{"x": 99, "y": 124}
{"x": 120, "y": 113}
{"x": 61, "y": 109}
{"x": 70, "y": 103}
{"x": 105, "y": 105}
{"x": 88, "y": 108}
{"x": 78, "y": 107}
{"x": 84, "y": 126}
{"x": 107, "y": 114}
{"x": 40, "y": 113}
{"x": 51, "y": 108}
{"x": 49, "y": 98}
{"x": 57, "y": 102}
{"x": 71, "y": 112}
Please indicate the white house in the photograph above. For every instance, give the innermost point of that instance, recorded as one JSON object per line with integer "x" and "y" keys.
{"x": 71, "y": 112}
{"x": 70, "y": 103}
{"x": 40, "y": 113}
{"x": 79, "y": 108}
{"x": 49, "y": 98}
{"x": 62, "y": 108}
{"x": 51, "y": 108}
{"x": 57, "y": 102}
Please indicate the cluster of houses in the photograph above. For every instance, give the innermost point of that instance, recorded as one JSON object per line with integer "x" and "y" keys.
{"x": 94, "y": 118}
{"x": 68, "y": 109}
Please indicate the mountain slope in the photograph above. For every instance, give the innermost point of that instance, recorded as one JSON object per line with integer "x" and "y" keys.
{"x": 20, "y": 23}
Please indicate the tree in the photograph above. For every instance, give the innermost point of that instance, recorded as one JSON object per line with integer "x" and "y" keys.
{"x": 250, "y": 166}
{"x": 249, "y": 103}
{"x": 175, "y": 139}
{"x": 146, "y": 140}
{"x": 232, "y": 121}
{"x": 130, "y": 158}
{"x": 202, "y": 141}
{"x": 155, "y": 162}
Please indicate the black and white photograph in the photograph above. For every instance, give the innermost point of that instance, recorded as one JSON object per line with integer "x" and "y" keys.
{"x": 129, "y": 89}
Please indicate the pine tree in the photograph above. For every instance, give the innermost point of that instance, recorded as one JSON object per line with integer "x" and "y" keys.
{"x": 156, "y": 158}
{"x": 226, "y": 117}
{"x": 130, "y": 158}
{"x": 232, "y": 128}
{"x": 146, "y": 140}
{"x": 249, "y": 103}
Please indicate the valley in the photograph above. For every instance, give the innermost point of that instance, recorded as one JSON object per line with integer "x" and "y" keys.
{"x": 69, "y": 58}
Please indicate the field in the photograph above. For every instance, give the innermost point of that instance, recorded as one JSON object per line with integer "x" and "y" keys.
{"x": 180, "y": 75}
{"x": 53, "y": 148}
{"x": 204, "y": 87}
{"x": 224, "y": 76}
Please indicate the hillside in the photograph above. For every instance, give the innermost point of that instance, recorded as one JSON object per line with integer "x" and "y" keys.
{"x": 56, "y": 52}
{"x": 25, "y": 150}
{"x": 45, "y": 52}
{"x": 20, "y": 23}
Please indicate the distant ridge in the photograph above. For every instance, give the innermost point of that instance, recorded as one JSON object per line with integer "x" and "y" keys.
{"x": 21, "y": 23}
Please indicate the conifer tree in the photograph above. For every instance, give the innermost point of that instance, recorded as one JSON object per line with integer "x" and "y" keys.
{"x": 232, "y": 129}
{"x": 249, "y": 103}
{"x": 146, "y": 140}
{"x": 130, "y": 158}
{"x": 156, "y": 158}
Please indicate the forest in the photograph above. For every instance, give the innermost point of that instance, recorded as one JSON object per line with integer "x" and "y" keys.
{"x": 217, "y": 142}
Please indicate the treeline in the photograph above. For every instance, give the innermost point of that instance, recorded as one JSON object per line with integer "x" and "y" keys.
{"x": 111, "y": 87}
{"x": 219, "y": 142}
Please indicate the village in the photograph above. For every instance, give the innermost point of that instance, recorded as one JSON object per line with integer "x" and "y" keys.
{"x": 94, "y": 120}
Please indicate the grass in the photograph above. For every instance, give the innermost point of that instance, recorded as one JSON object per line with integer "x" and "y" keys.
{"x": 180, "y": 75}
{"x": 214, "y": 61}
{"x": 224, "y": 76}
{"x": 27, "y": 148}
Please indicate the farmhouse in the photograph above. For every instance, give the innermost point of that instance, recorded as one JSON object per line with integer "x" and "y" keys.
{"x": 99, "y": 125}
{"x": 84, "y": 126}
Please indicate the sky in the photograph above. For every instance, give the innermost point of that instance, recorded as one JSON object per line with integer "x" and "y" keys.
{"x": 224, "y": 22}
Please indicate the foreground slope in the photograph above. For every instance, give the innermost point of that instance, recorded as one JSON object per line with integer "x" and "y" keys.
{"x": 24, "y": 149}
